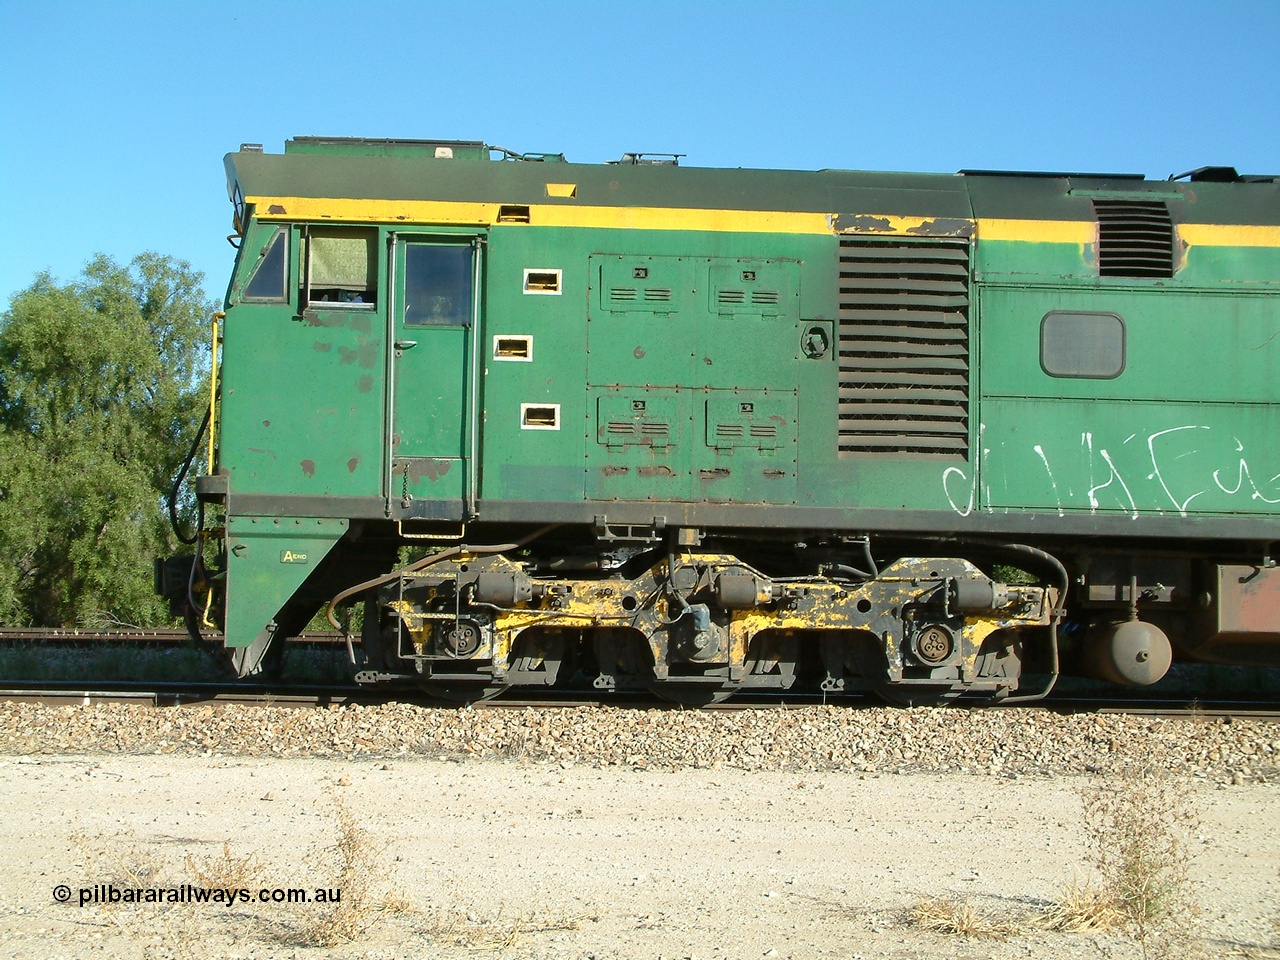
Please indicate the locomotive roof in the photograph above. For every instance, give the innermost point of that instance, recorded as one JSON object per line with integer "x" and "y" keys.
{"x": 384, "y": 170}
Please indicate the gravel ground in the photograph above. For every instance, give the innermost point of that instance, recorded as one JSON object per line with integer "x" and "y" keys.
{"x": 602, "y": 833}
{"x": 866, "y": 740}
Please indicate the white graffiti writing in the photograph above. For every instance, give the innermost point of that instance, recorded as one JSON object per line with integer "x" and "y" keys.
{"x": 1242, "y": 475}
{"x": 1181, "y": 470}
{"x": 1049, "y": 470}
{"x": 1155, "y": 465}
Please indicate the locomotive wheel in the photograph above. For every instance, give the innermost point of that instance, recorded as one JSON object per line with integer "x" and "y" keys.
{"x": 694, "y": 694}
{"x": 461, "y": 692}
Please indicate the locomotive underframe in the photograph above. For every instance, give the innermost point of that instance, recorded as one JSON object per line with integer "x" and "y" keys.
{"x": 699, "y": 625}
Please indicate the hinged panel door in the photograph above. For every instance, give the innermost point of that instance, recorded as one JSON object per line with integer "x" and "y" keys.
{"x": 433, "y": 321}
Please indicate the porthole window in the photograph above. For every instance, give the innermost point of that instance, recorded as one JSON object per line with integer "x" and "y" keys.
{"x": 1089, "y": 346}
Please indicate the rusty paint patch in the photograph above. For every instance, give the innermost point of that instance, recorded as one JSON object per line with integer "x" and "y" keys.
{"x": 325, "y": 319}
{"x": 908, "y": 226}
{"x": 321, "y": 347}
{"x": 352, "y": 464}
{"x": 1249, "y": 599}
{"x": 276, "y": 208}
{"x": 716, "y": 473}
{"x": 614, "y": 471}
{"x": 266, "y": 423}
{"x": 860, "y": 223}
{"x": 638, "y": 353}
{"x": 943, "y": 227}
{"x": 366, "y": 355}
{"x": 658, "y": 471}
{"x": 365, "y": 383}
{"x": 308, "y": 468}
{"x": 774, "y": 474}
{"x": 416, "y": 469}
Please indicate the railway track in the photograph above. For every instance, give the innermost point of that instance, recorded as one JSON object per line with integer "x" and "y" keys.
{"x": 1261, "y": 703}
{"x": 131, "y": 636}
{"x": 325, "y": 696}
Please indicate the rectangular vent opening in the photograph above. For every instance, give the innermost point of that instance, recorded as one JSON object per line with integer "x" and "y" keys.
{"x": 1135, "y": 238}
{"x": 513, "y": 348}
{"x": 657, "y": 295}
{"x": 904, "y": 348}
{"x": 764, "y": 430}
{"x": 729, "y": 430}
{"x": 513, "y": 213}
{"x": 622, "y": 294}
{"x": 650, "y": 433}
{"x": 542, "y": 281}
{"x": 731, "y": 296}
{"x": 539, "y": 416}
{"x": 764, "y": 296}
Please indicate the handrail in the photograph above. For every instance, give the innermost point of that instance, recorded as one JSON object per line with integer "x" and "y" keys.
{"x": 213, "y": 388}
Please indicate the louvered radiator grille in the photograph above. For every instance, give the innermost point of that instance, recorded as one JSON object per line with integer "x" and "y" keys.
{"x": 904, "y": 348}
{"x": 1135, "y": 238}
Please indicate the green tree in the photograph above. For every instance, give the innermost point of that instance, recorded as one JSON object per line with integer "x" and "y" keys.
{"x": 101, "y": 390}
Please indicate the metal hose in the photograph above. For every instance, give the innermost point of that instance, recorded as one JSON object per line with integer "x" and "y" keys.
{"x": 454, "y": 551}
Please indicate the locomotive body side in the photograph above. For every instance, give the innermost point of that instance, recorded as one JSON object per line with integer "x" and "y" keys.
{"x": 725, "y": 387}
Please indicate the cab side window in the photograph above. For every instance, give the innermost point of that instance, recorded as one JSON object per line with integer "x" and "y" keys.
{"x": 342, "y": 267}
{"x": 270, "y": 280}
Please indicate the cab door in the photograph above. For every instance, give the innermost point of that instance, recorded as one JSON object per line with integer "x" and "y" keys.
{"x": 433, "y": 435}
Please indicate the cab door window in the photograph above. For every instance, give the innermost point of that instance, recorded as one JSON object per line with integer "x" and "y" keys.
{"x": 437, "y": 285}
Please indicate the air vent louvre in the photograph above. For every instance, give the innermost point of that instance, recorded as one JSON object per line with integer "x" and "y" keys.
{"x": 731, "y": 296}
{"x": 1135, "y": 238}
{"x": 904, "y": 348}
{"x": 622, "y": 293}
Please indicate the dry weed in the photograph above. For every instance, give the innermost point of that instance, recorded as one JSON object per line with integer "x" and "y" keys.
{"x": 1137, "y": 827}
{"x": 227, "y": 872}
{"x": 158, "y": 931}
{"x": 1083, "y": 908}
{"x": 464, "y": 928}
{"x": 355, "y": 870}
{"x": 960, "y": 918}
{"x": 397, "y": 901}
{"x": 130, "y": 863}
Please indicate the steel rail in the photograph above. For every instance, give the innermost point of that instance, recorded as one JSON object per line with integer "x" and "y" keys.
{"x": 222, "y": 693}
{"x": 132, "y": 635}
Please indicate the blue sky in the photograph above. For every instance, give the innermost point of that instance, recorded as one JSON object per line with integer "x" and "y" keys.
{"x": 117, "y": 115}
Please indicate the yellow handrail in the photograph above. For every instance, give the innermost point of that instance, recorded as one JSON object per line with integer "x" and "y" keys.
{"x": 213, "y": 389}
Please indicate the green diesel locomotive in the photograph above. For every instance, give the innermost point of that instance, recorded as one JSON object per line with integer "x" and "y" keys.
{"x": 641, "y": 425}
